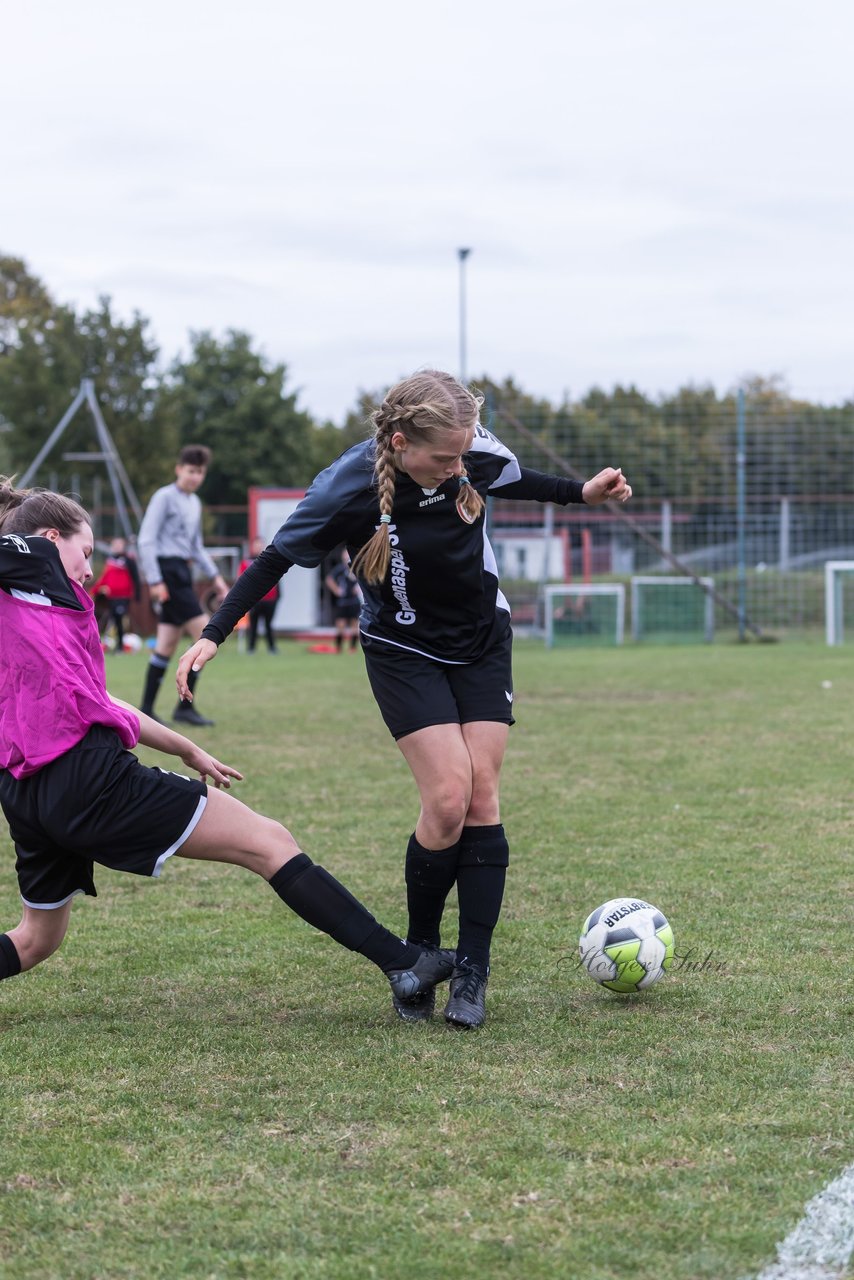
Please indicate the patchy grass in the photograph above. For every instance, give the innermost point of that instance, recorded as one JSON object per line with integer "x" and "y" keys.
{"x": 199, "y": 1085}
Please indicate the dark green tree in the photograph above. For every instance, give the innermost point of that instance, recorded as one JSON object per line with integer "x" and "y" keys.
{"x": 229, "y": 397}
{"x": 45, "y": 351}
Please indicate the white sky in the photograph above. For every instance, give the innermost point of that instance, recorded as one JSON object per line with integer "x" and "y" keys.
{"x": 654, "y": 191}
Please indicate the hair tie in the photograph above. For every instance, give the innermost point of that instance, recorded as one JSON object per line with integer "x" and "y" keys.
{"x": 385, "y": 519}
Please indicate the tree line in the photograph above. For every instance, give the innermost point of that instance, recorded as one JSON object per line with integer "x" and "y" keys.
{"x": 228, "y": 395}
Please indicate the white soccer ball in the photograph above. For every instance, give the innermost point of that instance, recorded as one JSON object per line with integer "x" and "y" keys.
{"x": 626, "y": 945}
{"x": 131, "y": 643}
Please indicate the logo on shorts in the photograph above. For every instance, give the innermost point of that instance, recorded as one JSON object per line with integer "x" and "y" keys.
{"x": 508, "y": 696}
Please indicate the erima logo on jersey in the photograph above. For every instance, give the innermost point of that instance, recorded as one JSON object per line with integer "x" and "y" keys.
{"x": 397, "y": 575}
{"x": 18, "y": 543}
{"x": 437, "y": 497}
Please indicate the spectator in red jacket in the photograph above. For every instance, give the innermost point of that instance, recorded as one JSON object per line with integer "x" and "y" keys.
{"x": 117, "y": 586}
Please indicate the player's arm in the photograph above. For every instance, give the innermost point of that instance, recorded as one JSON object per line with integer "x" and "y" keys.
{"x": 149, "y": 532}
{"x": 261, "y": 576}
{"x": 536, "y": 486}
{"x": 161, "y": 738}
{"x": 607, "y": 485}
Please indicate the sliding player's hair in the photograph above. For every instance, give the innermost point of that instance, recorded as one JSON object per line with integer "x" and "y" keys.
{"x": 26, "y": 511}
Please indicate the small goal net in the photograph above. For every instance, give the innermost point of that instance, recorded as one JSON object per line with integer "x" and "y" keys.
{"x": 673, "y": 610}
{"x": 589, "y": 613}
{"x": 838, "y": 598}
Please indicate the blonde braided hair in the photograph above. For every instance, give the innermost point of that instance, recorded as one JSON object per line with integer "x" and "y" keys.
{"x": 420, "y": 407}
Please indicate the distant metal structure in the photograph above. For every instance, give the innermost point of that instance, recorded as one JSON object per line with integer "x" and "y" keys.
{"x": 462, "y": 254}
{"x": 123, "y": 491}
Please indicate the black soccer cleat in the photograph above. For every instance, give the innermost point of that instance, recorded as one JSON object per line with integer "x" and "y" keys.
{"x": 416, "y": 1008}
{"x": 466, "y": 1007}
{"x": 189, "y": 715}
{"x": 432, "y": 966}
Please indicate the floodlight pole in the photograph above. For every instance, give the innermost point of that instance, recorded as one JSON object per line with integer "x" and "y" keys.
{"x": 462, "y": 254}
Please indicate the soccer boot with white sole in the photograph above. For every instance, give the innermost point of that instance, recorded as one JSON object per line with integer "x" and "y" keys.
{"x": 466, "y": 1005}
{"x": 432, "y": 966}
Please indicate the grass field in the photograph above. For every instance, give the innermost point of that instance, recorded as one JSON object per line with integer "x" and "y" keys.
{"x": 199, "y": 1085}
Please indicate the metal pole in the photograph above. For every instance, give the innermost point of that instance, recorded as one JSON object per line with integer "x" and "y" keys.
{"x": 462, "y": 254}
{"x": 740, "y": 469}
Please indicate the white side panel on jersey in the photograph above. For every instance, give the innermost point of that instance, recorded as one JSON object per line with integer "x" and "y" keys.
{"x": 485, "y": 442}
{"x": 491, "y": 566}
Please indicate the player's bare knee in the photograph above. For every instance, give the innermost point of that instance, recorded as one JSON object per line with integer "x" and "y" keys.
{"x": 34, "y": 947}
{"x": 447, "y": 810}
{"x": 273, "y": 849}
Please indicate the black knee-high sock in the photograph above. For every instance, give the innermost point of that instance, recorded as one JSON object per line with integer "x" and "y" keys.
{"x": 429, "y": 876}
{"x": 481, "y": 872}
{"x": 153, "y": 680}
{"x": 10, "y": 961}
{"x": 321, "y": 900}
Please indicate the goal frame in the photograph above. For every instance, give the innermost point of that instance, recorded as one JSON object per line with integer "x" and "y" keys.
{"x": 833, "y": 612}
{"x": 615, "y": 589}
{"x": 657, "y": 579}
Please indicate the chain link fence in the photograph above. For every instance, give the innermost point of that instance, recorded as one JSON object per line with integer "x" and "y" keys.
{"x": 754, "y": 494}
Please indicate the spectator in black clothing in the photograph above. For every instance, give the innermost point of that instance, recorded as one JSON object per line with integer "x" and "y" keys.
{"x": 342, "y": 585}
{"x": 263, "y": 611}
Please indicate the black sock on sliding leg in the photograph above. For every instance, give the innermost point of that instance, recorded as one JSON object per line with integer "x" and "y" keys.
{"x": 323, "y": 902}
{"x": 10, "y": 961}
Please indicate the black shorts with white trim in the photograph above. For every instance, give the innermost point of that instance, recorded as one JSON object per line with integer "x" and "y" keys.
{"x": 95, "y": 803}
{"x": 414, "y": 691}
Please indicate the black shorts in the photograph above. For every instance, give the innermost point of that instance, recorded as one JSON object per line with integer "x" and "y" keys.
{"x": 183, "y": 603}
{"x": 96, "y": 803}
{"x": 413, "y": 692}
{"x": 348, "y": 611}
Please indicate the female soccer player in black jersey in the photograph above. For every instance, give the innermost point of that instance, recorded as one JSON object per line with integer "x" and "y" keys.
{"x": 72, "y": 791}
{"x": 435, "y": 627}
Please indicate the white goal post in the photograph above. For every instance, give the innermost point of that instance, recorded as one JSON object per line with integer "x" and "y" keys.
{"x": 660, "y": 580}
{"x": 834, "y": 612}
{"x": 567, "y": 590}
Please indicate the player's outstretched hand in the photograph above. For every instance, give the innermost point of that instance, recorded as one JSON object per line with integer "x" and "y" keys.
{"x": 207, "y": 766}
{"x": 609, "y": 485}
{"x": 193, "y": 660}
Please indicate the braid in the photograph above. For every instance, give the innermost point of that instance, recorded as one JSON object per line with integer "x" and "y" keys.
{"x": 469, "y": 502}
{"x": 371, "y": 563}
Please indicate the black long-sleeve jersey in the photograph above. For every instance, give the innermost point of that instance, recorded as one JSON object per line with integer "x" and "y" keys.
{"x": 441, "y": 597}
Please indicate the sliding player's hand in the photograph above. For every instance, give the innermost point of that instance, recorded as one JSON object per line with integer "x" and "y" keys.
{"x": 207, "y": 766}
{"x": 609, "y": 485}
{"x": 193, "y": 660}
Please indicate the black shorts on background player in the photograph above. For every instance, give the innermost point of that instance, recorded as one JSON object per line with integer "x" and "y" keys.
{"x": 183, "y": 603}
